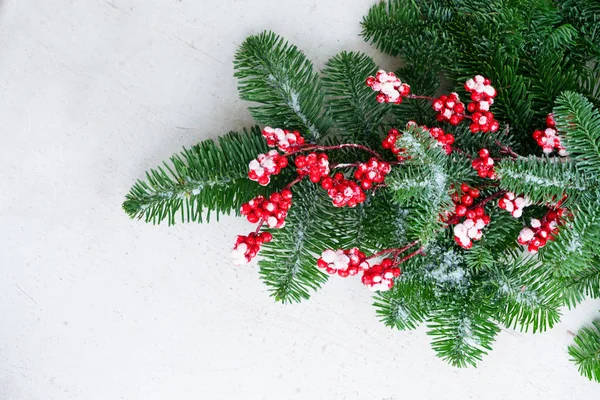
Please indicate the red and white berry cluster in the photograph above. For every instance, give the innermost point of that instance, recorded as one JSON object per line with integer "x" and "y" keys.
{"x": 540, "y": 231}
{"x": 266, "y": 165}
{"x": 342, "y": 191}
{"x": 381, "y": 276}
{"x": 449, "y": 108}
{"x": 549, "y": 139}
{"x": 483, "y": 122}
{"x": 484, "y": 165}
{"x": 343, "y": 262}
{"x": 470, "y": 229}
{"x": 513, "y": 204}
{"x": 282, "y": 138}
{"x": 315, "y": 165}
{"x": 390, "y": 143}
{"x": 482, "y": 96}
{"x": 272, "y": 211}
{"x": 444, "y": 139}
{"x": 482, "y": 93}
{"x": 247, "y": 247}
{"x": 373, "y": 171}
{"x": 475, "y": 220}
{"x": 390, "y": 87}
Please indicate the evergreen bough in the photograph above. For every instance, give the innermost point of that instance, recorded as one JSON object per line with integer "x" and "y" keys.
{"x": 541, "y": 56}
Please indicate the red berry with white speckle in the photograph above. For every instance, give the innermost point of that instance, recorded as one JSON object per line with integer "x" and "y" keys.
{"x": 282, "y": 138}
{"x": 266, "y": 165}
{"x": 343, "y": 262}
{"x": 484, "y": 165}
{"x": 449, "y": 108}
{"x": 272, "y": 211}
{"x": 541, "y": 231}
{"x": 390, "y": 87}
{"x": 372, "y": 173}
{"x": 247, "y": 247}
{"x": 315, "y": 165}
{"x": 381, "y": 276}
{"x": 343, "y": 192}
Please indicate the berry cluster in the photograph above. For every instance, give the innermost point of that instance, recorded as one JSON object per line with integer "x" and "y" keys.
{"x": 549, "y": 139}
{"x": 449, "y": 108}
{"x": 464, "y": 200}
{"x": 513, "y": 204}
{"x": 470, "y": 228}
{"x": 484, "y": 165}
{"x": 315, "y": 165}
{"x": 381, "y": 276}
{"x": 373, "y": 171}
{"x": 483, "y": 122}
{"x": 444, "y": 139}
{"x": 390, "y": 143}
{"x": 266, "y": 165}
{"x": 343, "y": 262}
{"x": 272, "y": 211}
{"x": 342, "y": 191}
{"x": 390, "y": 87}
{"x": 482, "y": 96}
{"x": 482, "y": 93}
{"x": 536, "y": 236}
{"x": 247, "y": 247}
{"x": 475, "y": 219}
{"x": 282, "y": 138}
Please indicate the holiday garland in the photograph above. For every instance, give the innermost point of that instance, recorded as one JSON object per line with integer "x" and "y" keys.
{"x": 466, "y": 215}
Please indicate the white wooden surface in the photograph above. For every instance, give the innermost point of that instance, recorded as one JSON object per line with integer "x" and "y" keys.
{"x": 95, "y": 306}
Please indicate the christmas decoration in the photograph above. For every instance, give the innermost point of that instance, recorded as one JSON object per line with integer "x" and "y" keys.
{"x": 343, "y": 262}
{"x": 390, "y": 88}
{"x": 266, "y": 165}
{"x": 395, "y": 181}
{"x": 548, "y": 139}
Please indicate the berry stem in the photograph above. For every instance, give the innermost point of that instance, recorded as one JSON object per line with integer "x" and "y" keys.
{"x": 414, "y": 96}
{"x": 292, "y": 183}
{"x": 260, "y": 224}
{"x": 408, "y": 257}
{"x": 507, "y": 149}
{"x": 396, "y": 250}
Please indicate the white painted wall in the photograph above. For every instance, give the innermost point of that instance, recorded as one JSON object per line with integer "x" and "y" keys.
{"x": 95, "y": 306}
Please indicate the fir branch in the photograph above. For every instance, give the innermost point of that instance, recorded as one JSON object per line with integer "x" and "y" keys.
{"x": 579, "y": 124}
{"x": 543, "y": 180}
{"x": 582, "y": 283}
{"x": 586, "y": 351}
{"x": 575, "y": 245}
{"x": 463, "y": 331}
{"x": 376, "y": 224}
{"x": 208, "y": 178}
{"x": 351, "y": 102}
{"x": 406, "y": 305}
{"x": 281, "y": 78}
{"x": 529, "y": 296}
{"x": 289, "y": 263}
{"x": 387, "y": 23}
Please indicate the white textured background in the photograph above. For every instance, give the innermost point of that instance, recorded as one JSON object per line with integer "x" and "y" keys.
{"x": 95, "y": 306}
